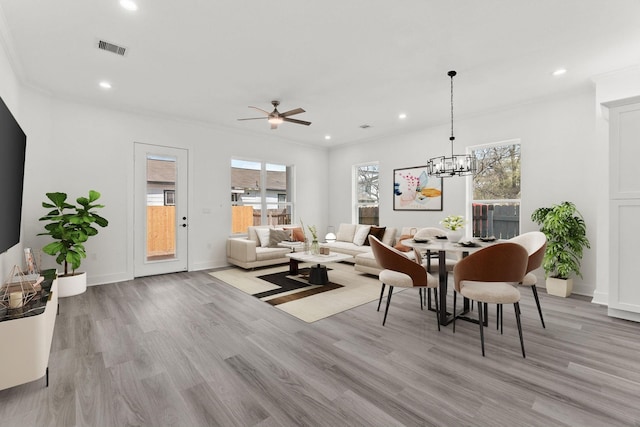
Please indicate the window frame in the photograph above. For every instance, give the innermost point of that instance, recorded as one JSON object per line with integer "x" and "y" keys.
{"x": 356, "y": 204}
{"x": 262, "y": 183}
{"x": 469, "y": 200}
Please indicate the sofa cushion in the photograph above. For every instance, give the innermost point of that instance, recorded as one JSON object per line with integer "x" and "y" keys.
{"x": 362, "y": 231}
{"x": 389, "y": 237}
{"x": 297, "y": 235}
{"x": 378, "y": 232}
{"x": 271, "y": 253}
{"x": 346, "y": 233}
{"x": 348, "y": 248}
{"x": 263, "y": 236}
{"x": 276, "y": 236}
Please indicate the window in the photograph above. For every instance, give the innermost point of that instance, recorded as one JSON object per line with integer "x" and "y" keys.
{"x": 366, "y": 190}
{"x": 495, "y": 202}
{"x": 261, "y": 194}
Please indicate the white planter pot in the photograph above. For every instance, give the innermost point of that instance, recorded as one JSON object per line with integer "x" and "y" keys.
{"x": 72, "y": 285}
{"x": 559, "y": 287}
{"x": 454, "y": 236}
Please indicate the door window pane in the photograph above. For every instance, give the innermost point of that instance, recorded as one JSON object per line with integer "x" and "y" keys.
{"x": 161, "y": 210}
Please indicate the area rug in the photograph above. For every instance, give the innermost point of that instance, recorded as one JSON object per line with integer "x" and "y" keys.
{"x": 294, "y": 295}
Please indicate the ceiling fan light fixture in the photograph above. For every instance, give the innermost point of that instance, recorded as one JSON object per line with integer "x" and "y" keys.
{"x": 275, "y": 120}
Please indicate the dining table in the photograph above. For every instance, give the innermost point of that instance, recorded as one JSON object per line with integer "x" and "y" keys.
{"x": 442, "y": 247}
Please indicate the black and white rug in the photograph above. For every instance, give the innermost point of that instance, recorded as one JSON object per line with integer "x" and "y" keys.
{"x": 293, "y": 294}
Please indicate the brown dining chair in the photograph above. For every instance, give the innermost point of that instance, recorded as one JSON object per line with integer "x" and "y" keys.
{"x": 535, "y": 242}
{"x": 399, "y": 270}
{"x": 487, "y": 276}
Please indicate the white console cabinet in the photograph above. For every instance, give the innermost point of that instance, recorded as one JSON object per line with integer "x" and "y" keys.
{"x": 26, "y": 343}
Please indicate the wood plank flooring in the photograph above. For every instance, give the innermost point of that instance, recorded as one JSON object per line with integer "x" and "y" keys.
{"x": 187, "y": 350}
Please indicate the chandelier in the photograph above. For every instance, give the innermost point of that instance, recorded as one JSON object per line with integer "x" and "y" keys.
{"x": 457, "y": 164}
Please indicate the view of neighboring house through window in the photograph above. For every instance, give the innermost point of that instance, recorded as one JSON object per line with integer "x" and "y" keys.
{"x": 261, "y": 194}
{"x": 366, "y": 192}
{"x": 496, "y": 190}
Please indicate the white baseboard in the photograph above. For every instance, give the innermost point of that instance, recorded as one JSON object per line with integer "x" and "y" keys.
{"x": 600, "y": 298}
{"x": 622, "y": 314}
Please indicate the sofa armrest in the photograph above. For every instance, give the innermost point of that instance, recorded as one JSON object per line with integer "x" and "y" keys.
{"x": 241, "y": 249}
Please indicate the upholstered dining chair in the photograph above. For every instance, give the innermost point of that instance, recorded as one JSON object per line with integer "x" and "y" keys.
{"x": 535, "y": 242}
{"x": 487, "y": 276}
{"x": 399, "y": 270}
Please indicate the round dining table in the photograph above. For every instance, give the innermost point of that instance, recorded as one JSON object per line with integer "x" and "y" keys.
{"x": 442, "y": 247}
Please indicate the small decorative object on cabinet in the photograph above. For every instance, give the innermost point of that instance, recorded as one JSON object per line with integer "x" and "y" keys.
{"x": 566, "y": 234}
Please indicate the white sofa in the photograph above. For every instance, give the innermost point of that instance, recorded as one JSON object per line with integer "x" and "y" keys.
{"x": 351, "y": 238}
{"x": 248, "y": 252}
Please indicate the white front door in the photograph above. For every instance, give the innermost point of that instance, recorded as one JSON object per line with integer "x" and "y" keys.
{"x": 161, "y": 204}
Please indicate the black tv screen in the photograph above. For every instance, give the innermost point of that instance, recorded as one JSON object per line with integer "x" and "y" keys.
{"x": 13, "y": 143}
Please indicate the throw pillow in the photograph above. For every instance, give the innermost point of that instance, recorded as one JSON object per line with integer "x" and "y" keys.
{"x": 399, "y": 246}
{"x": 361, "y": 234}
{"x": 297, "y": 235}
{"x": 346, "y": 232}
{"x": 277, "y": 236}
{"x": 263, "y": 236}
{"x": 378, "y": 232}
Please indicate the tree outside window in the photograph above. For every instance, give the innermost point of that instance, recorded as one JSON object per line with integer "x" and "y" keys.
{"x": 367, "y": 194}
{"x": 496, "y": 191}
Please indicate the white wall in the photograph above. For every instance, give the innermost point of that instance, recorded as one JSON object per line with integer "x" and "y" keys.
{"x": 92, "y": 148}
{"x": 558, "y": 142}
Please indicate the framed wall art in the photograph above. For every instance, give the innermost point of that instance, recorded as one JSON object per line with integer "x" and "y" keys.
{"x": 414, "y": 190}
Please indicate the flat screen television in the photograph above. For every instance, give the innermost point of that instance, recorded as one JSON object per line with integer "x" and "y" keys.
{"x": 13, "y": 143}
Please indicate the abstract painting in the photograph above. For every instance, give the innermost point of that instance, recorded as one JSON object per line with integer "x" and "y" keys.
{"x": 414, "y": 190}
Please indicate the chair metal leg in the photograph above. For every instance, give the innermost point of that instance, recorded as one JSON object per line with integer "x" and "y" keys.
{"x": 421, "y": 303}
{"x": 486, "y": 313}
{"x": 381, "y": 293}
{"x": 437, "y": 309}
{"x": 454, "y": 311}
{"x": 386, "y": 310}
{"x": 516, "y": 306}
{"x": 480, "y": 322}
{"x": 501, "y": 308}
{"x": 535, "y": 295}
{"x": 497, "y": 316}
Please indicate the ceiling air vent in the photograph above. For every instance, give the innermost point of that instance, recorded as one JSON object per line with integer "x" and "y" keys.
{"x": 365, "y": 126}
{"x": 113, "y": 48}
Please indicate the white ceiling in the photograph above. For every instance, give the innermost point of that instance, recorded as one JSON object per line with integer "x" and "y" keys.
{"x": 346, "y": 62}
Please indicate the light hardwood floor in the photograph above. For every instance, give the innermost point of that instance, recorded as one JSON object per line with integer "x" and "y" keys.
{"x": 185, "y": 349}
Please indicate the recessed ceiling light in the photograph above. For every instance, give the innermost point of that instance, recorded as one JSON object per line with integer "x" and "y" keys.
{"x": 129, "y": 5}
{"x": 402, "y": 116}
{"x": 327, "y": 137}
{"x": 559, "y": 72}
{"x": 105, "y": 85}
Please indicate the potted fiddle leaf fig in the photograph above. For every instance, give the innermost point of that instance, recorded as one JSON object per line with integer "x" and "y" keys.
{"x": 566, "y": 234}
{"x": 70, "y": 226}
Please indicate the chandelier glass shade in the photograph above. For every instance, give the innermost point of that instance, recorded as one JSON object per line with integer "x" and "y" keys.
{"x": 456, "y": 164}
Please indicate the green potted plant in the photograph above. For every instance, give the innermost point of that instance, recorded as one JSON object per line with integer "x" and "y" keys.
{"x": 566, "y": 234}
{"x": 455, "y": 224}
{"x": 71, "y": 226}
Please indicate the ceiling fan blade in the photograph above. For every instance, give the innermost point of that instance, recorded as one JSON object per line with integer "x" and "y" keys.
{"x": 260, "y": 109}
{"x": 255, "y": 118}
{"x": 274, "y": 126}
{"x": 300, "y": 122}
{"x": 292, "y": 112}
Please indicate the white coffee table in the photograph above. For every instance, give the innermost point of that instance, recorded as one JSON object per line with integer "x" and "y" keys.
{"x": 318, "y": 274}
{"x": 294, "y": 246}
